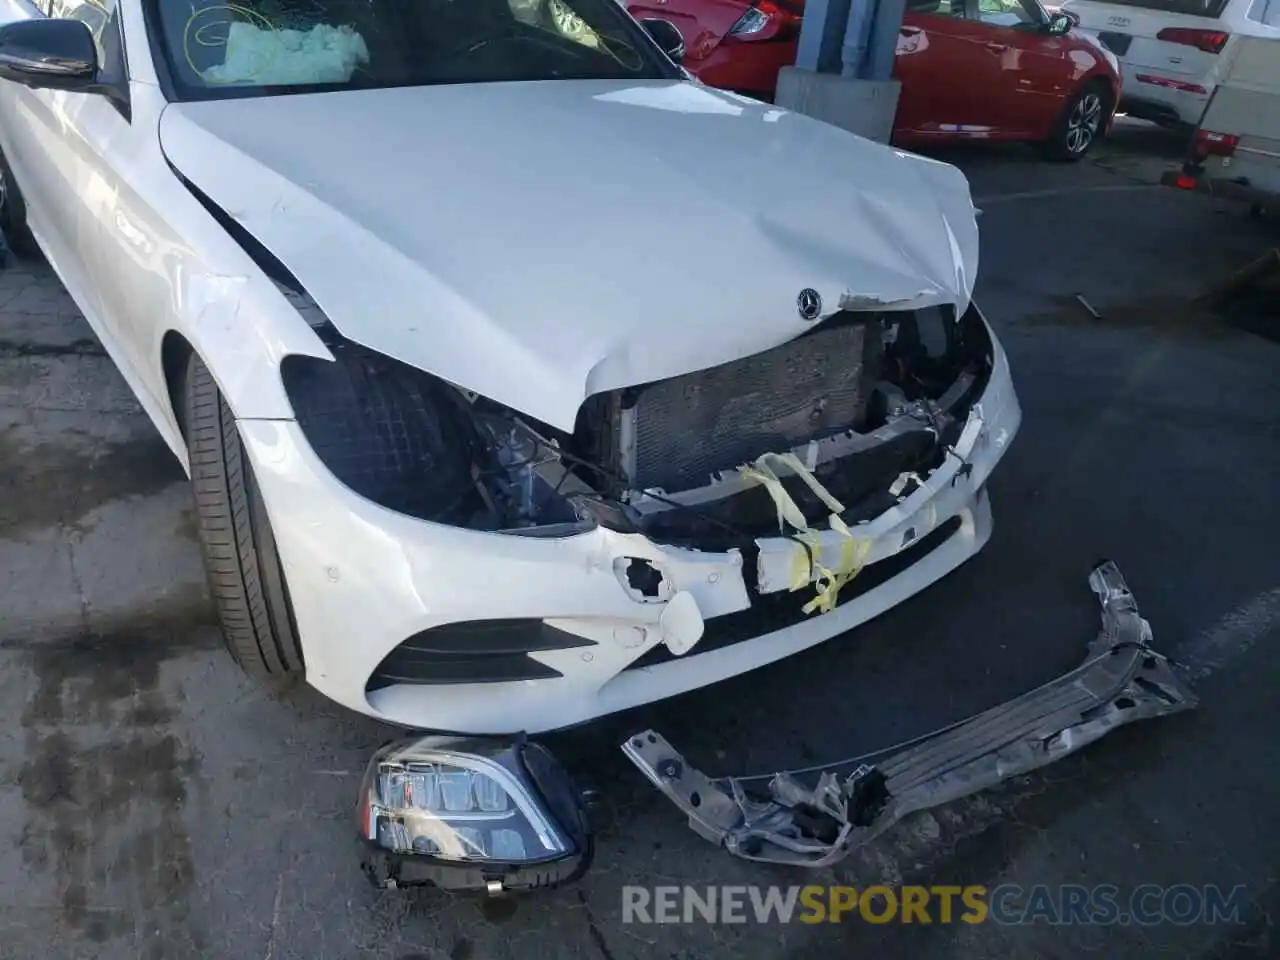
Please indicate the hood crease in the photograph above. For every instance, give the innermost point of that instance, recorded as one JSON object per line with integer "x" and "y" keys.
{"x": 541, "y": 242}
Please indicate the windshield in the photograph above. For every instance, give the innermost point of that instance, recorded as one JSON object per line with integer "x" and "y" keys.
{"x": 1012, "y": 13}
{"x": 260, "y": 47}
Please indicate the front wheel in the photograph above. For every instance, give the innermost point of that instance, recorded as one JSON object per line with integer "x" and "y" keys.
{"x": 1081, "y": 125}
{"x": 13, "y": 216}
{"x": 246, "y": 579}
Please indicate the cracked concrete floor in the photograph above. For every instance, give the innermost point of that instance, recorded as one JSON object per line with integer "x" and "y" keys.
{"x": 154, "y": 804}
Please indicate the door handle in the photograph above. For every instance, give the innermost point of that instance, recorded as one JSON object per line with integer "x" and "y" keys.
{"x": 996, "y": 47}
{"x": 908, "y": 31}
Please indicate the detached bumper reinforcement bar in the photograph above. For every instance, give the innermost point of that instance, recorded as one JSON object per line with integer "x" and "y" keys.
{"x": 1121, "y": 680}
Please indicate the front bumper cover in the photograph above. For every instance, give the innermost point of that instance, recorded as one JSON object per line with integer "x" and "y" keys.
{"x": 363, "y": 579}
{"x": 1121, "y": 680}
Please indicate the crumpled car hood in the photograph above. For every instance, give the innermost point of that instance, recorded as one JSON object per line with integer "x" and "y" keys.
{"x": 541, "y": 242}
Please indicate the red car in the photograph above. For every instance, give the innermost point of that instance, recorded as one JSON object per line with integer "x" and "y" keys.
{"x": 970, "y": 69}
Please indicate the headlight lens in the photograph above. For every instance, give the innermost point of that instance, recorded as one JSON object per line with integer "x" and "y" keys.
{"x": 461, "y": 802}
{"x": 753, "y": 21}
{"x": 458, "y": 808}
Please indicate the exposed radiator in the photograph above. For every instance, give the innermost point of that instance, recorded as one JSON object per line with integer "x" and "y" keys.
{"x": 676, "y": 433}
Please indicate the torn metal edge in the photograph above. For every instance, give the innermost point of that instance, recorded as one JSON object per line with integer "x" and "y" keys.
{"x": 1121, "y": 680}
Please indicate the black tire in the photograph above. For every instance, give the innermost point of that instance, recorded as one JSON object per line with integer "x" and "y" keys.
{"x": 13, "y": 217}
{"x": 246, "y": 580}
{"x": 1081, "y": 125}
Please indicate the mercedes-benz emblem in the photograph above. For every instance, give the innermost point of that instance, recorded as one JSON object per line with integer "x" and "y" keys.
{"x": 809, "y": 303}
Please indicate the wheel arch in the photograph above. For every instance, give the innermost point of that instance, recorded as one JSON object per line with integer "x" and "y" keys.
{"x": 175, "y": 354}
{"x": 240, "y": 324}
{"x": 1113, "y": 89}
{"x": 209, "y": 292}
{"x": 1105, "y": 79}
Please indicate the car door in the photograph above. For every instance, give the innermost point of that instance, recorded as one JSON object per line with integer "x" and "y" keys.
{"x": 934, "y": 62}
{"x": 61, "y": 146}
{"x": 38, "y": 159}
{"x": 1031, "y": 74}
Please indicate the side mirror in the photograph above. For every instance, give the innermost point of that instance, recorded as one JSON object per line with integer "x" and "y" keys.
{"x": 49, "y": 54}
{"x": 666, "y": 36}
{"x": 1060, "y": 24}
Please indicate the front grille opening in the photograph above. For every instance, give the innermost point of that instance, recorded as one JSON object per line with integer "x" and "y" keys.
{"x": 777, "y": 611}
{"x": 853, "y": 372}
{"x": 674, "y": 434}
{"x": 686, "y": 428}
{"x": 860, "y": 481}
{"x": 473, "y": 651}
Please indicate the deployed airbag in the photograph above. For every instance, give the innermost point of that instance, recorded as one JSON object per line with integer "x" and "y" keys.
{"x": 268, "y": 57}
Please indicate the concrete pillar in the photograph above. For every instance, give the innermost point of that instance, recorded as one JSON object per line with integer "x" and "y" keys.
{"x": 844, "y": 65}
{"x": 857, "y": 35}
{"x": 821, "y": 34}
{"x": 883, "y": 40}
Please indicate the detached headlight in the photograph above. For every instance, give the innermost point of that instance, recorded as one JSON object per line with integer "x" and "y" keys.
{"x": 471, "y": 814}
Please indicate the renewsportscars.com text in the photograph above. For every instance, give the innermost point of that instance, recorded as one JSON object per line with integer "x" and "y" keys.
{"x": 1010, "y": 904}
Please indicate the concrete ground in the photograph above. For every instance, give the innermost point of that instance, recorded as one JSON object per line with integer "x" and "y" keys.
{"x": 154, "y": 804}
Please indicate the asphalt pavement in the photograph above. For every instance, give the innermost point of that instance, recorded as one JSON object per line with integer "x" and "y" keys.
{"x": 155, "y": 804}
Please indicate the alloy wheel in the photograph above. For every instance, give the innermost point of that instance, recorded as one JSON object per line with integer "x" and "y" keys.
{"x": 1083, "y": 124}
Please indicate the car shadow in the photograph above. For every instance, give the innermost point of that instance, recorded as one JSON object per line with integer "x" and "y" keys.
{"x": 1130, "y": 136}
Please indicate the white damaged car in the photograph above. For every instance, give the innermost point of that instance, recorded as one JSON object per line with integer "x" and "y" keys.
{"x": 519, "y": 379}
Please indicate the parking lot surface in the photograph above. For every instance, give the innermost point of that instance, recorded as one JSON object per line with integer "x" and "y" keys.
{"x": 155, "y": 804}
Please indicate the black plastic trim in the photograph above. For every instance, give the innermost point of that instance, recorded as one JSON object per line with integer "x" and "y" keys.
{"x": 473, "y": 651}
{"x": 385, "y": 869}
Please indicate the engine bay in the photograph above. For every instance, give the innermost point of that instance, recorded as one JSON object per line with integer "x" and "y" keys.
{"x": 868, "y": 402}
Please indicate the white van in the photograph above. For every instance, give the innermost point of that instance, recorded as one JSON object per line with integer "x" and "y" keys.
{"x": 1236, "y": 151}
{"x": 1171, "y": 51}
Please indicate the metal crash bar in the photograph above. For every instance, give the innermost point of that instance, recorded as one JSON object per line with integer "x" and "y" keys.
{"x": 1121, "y": 680}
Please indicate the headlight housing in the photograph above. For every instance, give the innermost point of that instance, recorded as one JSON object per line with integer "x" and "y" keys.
{"x": 413, "y": 443}
{"x": 393, "y": 434}
{"x": 471, "y": 813}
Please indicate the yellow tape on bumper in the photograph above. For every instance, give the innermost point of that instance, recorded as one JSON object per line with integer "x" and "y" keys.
{"x": 807, "y": 566}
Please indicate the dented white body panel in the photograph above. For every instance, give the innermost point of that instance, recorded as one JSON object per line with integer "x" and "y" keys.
{"x": 368, "y": 578}
{"x": 535, "y": 243}
{"x": 137, "y": 252}
{"x": 603, "y": 234}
